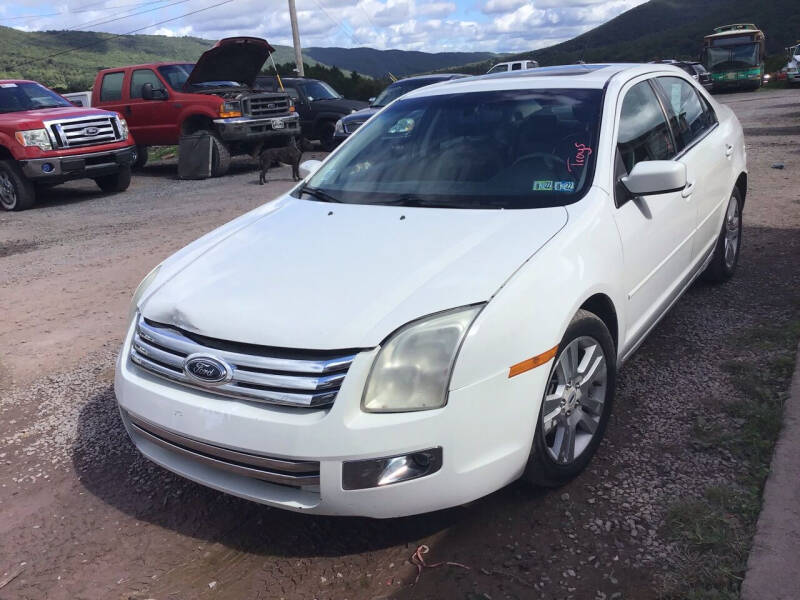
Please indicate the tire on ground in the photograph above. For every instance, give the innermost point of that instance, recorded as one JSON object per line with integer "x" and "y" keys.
{"x": 117, "y": 182}
{"x": 16, "y": 191}
{"x": 141, "y": 157}
{"x": 220, "y": 156}
{"x": 718, "y": 271}
{"x": 326, "y": 131}
{"x": 541, "y": 469}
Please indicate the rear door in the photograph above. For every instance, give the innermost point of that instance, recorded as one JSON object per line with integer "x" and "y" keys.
{"x": 703, "y": 148}
{"x": 655, "y": 231}
{"x": 112, "y": 86}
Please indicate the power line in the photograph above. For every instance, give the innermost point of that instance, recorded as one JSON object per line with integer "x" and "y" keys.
{"x": 82, "y": 9}
{"x": 350, "y": 34}
{"x": 118, "y": 35}
{"x": 95, "y": 22}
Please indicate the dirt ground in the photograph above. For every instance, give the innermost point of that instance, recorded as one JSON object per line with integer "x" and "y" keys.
{"x": 83, "y": 516}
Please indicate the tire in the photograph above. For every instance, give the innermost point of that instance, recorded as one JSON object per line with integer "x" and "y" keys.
{"x": 576, "y": 405}
{"x": 140, "y": 156}
{"x": 729, "y": 243}
{"x": 16, "y": 192}
{"x": 118, "y": 182}
{"x": 220, "y": 156}
{"x": 326, "y": 131}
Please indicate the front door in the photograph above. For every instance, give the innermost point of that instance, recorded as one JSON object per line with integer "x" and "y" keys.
{"x": 152, "y": 122}
{"x": 655, "y": 231}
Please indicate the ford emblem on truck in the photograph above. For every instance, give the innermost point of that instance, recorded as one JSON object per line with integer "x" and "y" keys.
{"x": 89, "y": 131}
{"x": 207, "y": 370}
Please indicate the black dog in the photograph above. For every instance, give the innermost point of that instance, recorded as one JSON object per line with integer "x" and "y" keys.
{"x": 287, "y": 155}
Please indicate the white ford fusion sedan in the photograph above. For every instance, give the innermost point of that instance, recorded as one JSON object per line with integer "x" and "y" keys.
{"x": 441, "y": 306}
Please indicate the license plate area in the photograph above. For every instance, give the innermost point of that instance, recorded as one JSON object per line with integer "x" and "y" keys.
{"x": 278, "y": 124}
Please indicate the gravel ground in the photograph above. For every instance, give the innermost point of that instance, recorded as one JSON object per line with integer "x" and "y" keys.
{"x": 82, "y": 515}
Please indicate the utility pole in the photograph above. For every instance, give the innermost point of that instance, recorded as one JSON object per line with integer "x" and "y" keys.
{"x": 298, "y": 53}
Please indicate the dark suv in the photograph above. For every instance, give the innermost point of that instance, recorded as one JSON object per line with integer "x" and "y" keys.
{"x": 695, "y": 69}
{"x": 349, "y": 123}
{"x": 317, "y": 103}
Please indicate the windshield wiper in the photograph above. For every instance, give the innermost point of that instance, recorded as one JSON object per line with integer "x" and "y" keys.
{"x": 318, "y": 194}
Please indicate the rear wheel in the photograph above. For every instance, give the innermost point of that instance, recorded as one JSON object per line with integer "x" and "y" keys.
{"x": 16, "y": 192}
{"x": 726, "y": 252}
{"x": 118, "y": 182}
{"x": 576, "y": 405}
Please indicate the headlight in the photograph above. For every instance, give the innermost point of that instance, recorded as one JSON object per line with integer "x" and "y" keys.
{"x": 231, "y": 108}
{"x": 34, "y": 137}
{"x": 339, "y": 126}
{"x": 412, "y": 370}
{"x": 140, "y": 290}
{"x": 123, "y": 128}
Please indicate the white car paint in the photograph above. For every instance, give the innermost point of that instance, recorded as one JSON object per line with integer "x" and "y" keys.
{"x": 309, "y": 275}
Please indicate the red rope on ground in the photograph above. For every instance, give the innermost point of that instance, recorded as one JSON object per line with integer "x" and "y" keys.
{"x": 418, "y": 561}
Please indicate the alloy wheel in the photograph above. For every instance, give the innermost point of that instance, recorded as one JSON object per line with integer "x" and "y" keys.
{"x": 732, "y": 224}
{"x": 574, "y": 400}
{"x": 8, "y": 193}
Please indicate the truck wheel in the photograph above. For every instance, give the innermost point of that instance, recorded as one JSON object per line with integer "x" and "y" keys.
{"x": 118, "y": 182}
{"x": 140, "y": 156}
{"x": 326, "y": 131}
{"x": 220, "y": 156}
{"x": 16, "y": 192}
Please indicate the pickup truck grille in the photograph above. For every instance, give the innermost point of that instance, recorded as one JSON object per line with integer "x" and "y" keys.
{"x": 267, "y": 106}
{"x": 84, "y": 131}
{"x": 257, "y": 374}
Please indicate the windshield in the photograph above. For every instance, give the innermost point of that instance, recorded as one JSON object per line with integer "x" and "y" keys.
{"x": 733, "y": 57}
{"x": 17, "y": 97}
{"x": 394, "y": 91}
{"x": 499, "y": 149}
{"x": 319, "y": 90}
{"x": 498, "y": 69}
{"x": 176, "y": 76}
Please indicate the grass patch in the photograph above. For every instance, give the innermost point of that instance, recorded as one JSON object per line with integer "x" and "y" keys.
{"x": 714, "y": 533}
{"x": 161, "y": 152}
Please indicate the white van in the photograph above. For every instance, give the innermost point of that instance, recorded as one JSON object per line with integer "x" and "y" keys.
{"x": 518, "y": 65}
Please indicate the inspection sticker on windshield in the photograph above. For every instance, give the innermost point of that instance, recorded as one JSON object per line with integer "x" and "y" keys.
{"x": 564, "y": 186}
{"x": 545, "y": 185}
{"x": 8, "y": 85}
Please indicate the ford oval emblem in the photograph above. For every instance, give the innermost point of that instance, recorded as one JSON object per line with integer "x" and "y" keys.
{"x": 90, "y": 131}
{"x": 207, "y": 370}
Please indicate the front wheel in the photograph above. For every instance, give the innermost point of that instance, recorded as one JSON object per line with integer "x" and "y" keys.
{"x": 118, "y": 182}
{"x": 729, "y": 243}
{"x": 16, "y": 192}
{"x": 576, "y": 405}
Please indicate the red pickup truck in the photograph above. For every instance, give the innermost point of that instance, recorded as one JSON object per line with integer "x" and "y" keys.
{"x": 46, "y": 140}
{"x": 164, "y": 101}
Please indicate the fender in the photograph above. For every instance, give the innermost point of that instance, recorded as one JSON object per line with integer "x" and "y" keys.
{"x": 8, "y": 145}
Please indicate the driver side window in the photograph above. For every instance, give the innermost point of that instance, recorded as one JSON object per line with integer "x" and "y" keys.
{"x": 142, "y": 76}
{"x": 643, "y": 134}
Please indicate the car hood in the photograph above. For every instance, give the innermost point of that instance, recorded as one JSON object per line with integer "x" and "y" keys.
{"x": 338, "y": 105}
{"x": 232, "y": 59}
{"x": 361, "y": 115}
{"x": 311, "y": 275}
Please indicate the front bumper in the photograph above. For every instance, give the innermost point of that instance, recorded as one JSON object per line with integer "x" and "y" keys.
{"x": 76, "y": 166}
{"x": 247, "y": 128}
{"x": 485, "y": 434}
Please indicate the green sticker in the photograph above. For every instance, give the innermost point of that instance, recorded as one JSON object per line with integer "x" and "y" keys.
{"x": 545, "y": 185}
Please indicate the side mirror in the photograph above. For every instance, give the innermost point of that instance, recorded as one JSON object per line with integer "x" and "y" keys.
{"x": 652, "y": 177}
{"x": 309, "y": 167}
{"x": 148, "y": 93}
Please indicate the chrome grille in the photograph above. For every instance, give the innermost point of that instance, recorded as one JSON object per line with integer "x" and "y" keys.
{"x": 351, "y": 126}
{"x": 295, "y": 473}
{"x": 84, "y": 131}
{"x": 272, "y": 377}
{"x": 267, "y": 106}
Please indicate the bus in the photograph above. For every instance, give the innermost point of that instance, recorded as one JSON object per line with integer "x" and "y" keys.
{"x": 734, "y": 55}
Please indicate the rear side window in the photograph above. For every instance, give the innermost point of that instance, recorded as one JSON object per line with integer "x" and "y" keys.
{"x": 516, "y": 67}
{"x": 141, "y": 76}
{"x": 643, "y": 130}
{"x": 111, "y": 88}
{"x": 690, "y": 115}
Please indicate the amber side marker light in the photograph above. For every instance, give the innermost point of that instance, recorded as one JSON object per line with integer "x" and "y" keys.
{"x": 532, "y": 363}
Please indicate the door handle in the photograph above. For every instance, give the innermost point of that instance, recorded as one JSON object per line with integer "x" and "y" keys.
{"x": 728, "y": 150}
{"x": 688, "y": 190}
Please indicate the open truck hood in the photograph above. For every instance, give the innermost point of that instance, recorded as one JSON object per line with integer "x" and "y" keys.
{"x": 232, "y": 59}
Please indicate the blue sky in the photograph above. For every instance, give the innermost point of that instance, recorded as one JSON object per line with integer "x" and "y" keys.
{"x": 431, "y": 26}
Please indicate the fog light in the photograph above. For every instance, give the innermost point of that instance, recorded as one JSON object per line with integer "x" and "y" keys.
{"x": 380, "y": 472}
{"x": 47, "y": 168}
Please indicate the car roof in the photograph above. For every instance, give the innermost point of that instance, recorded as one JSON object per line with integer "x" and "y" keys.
{"x": 583, "y": 76}
{"x": 433, "y": 77}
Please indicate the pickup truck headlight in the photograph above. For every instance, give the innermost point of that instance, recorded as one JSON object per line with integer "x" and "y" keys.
{"x": 339, "y": 126}
{"x": 412, "y": 370}
{"x": 123, "y": 128}
{"x": 34, "y": 137}
{"x": 140, "y": 290}
{"x": 231, "y": 108}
